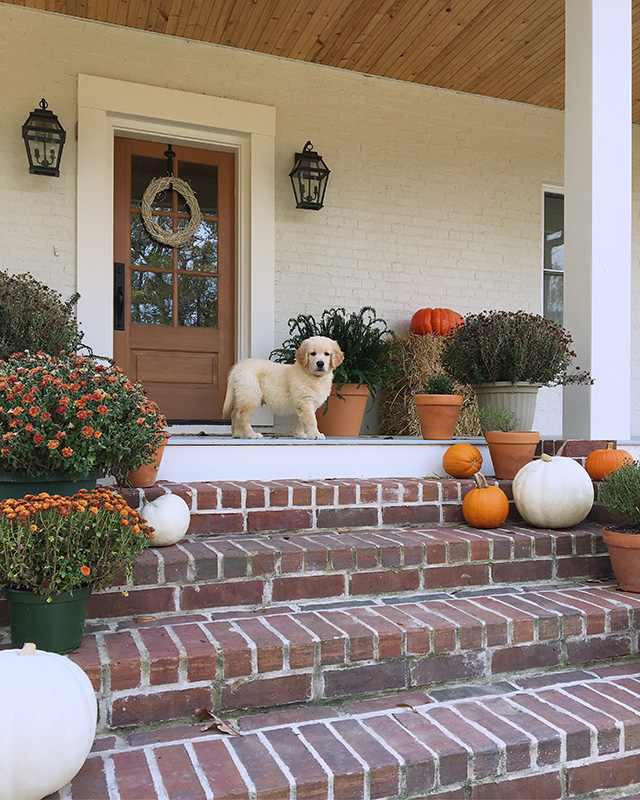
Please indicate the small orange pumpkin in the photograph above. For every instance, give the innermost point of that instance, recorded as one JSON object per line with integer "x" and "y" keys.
{"x": 462, "y": 460}
{"x": 485, "y": 506}
{"x": 441, "y": 321}
{"x": 600, "y": 463}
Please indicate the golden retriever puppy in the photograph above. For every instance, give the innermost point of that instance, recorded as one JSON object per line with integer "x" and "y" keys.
{"x": 298, "y": 388}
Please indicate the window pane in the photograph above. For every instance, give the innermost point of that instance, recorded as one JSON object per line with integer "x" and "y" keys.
{"x": 553, "y": 231}
{"x": 143, "y": 170}
{"x": 151, "y": 298}
{"x": 201, "y": 253}
{"x": 553, "y": 296}
{"x": 145, "y": 251}
{"x": 197, "y": 301}
{"x": 203, "y": 179}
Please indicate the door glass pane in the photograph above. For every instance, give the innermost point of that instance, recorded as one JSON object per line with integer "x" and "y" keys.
{"x": 203, "y": 179}
{"x": 145, "y": 251}
{"x": 553, "y": 231}
{"x": 143, "y": 170}
{"x": 553, "y": 296}
{"x": 151, "y": 298}
{"x": 201, "y": 253}
{"x": 197, "y": 301}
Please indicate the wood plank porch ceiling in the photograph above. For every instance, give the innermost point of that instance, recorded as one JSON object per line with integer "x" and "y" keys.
{"x": 511, "y": 49}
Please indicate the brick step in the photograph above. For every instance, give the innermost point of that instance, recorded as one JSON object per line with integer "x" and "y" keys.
{"x": 547, "y": 737}
{"x": 285, "y": 570}
{"x": 229, "y": 507}
{"x": 156, "y": 670}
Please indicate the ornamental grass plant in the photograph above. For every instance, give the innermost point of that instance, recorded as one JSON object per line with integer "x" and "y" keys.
{"x": 620, "y": 493}
{"x": 51, "y": 544}
{"x": 364, "y": 338}
{"x": 74, "y": 415}
{"x": 511, "y": 346}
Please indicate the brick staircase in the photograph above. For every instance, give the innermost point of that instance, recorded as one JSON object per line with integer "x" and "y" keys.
{"x": 365, "y": 644}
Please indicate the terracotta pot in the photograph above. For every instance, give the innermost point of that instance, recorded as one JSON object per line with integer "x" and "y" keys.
{"x": 438, "y": 414}
{"x": 146, "y": 476}
{"x": 511, "y": 450}
{"x": 624, "y": 552}
{"x": 343, "y": 417}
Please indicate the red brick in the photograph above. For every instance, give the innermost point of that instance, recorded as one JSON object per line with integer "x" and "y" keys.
{"x": 609, "y": 774}
{"x": 284, "y": 519}
{"x": 522, "y": 624}
{"x": 140, "y": 709}
{"x": 444, "y": 632}
{"x": 311, "y": 586}
{"x": 383, "y": 767}
{"x": 360, "y": 639}
{"x": 548, "y": 623}
{"x": 456, "y": 576}
{"x": 356, "y": 680}
{"x": 145, "y": 570}
{"x": 348, "y": 772}
{"x": 518, "y": 745}
{"x": 205, "y": 560}
{"x": 176, "y": 564}
{"x": 201, "y": 654}
{"x": 347, "y": 494}
{"x": 332, "y": 642}
{"x": 91, "y": 781}
{"x": 411, "y": 515}
{"x": 87, "y": 658}
{"x": 419, "y": 766}
{"x": 214, "y": 595}
{"x": 578, "y": 735}
{"x": 402, "y": 580}
{"x": 469, "y": 629}
{"x": 325, "y": 494}
{"x": 521, "y": 571}
{"x": 389, "y": 635}
{"x": 178, "y": 774}
{"x": 291, "y": 556}
{"x": 133, "y": 775}
{"x": 495, "y": 626}
{"x": 236, "y": 651}
{"x": 591, "y": 566}
{"x": 417, "y": 635}
{"x": 486, "y": 753}
{"x": 452, "y": 513}
{"x": 163, "y": 655}
{"x": 287, "y": 716}
{"x": 347, "y": 517}
{"x": 206, "y": 496}
{"x": 547, "y": 786}
{"x": 278, "y": 496}
{"x": 625, "y": 708}
{"x": 301, "y": 644}
{"x": 124, "y": 658}
{"x": 548, "y": 740}
{"x": 220, "y": 769}
{"x": 267, "y": 692}
{"x": 231, "y": 495}
{"x": 316, "y": 554}
{"x": 215, "y": 522}
{"x": 598, "y": 648}
{"x": 270, "y": 781}
{"x": 135, "y": 601}
{"x": 523, "y": 657}
{"x": 440, "y": 669}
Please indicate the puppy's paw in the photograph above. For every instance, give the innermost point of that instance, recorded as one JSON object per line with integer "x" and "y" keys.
{"x": 316, "y": 435}
{"x": 246, "y": 435}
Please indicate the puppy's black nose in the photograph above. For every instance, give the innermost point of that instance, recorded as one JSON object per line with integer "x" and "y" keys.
{"x": 319, "y": 364}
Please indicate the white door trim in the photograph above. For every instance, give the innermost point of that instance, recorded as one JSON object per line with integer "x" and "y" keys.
{"x": 109, "y": 108}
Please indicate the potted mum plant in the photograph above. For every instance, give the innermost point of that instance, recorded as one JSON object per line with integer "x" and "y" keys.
{"x": 71, "y": 419}
{"x": 510, "y": 449}
{"x": 620, "y": 494}
{"x": 438, "y": 406}
{"x": 365, "y": 340}
{"x": 53, "y": 551}
{"x": 507, "y": 356}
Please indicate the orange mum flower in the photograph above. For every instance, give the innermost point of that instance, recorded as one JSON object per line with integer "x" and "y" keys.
{"x": 52, "y": 444}
{"x": 85, "y": 570}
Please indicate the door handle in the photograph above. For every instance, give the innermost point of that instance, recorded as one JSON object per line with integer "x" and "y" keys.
{"x": 118, "y": 296}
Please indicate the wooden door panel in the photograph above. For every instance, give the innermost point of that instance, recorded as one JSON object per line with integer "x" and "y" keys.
{"x": 178, "y": 336}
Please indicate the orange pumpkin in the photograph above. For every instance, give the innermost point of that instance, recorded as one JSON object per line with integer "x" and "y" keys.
{"x": 601, "y": 462}
{"x": 485, "y": 506}
{"x": 462, "y": 460}
{"x": 441, "y": 321}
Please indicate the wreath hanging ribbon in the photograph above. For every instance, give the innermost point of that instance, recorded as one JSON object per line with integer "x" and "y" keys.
{"x": 177, "y": 238}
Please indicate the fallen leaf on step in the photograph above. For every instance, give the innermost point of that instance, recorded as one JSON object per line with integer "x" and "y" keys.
{"x": 215, "y": 722}
{"x": 144, "y": 618}
{"x": 407, "y": 705}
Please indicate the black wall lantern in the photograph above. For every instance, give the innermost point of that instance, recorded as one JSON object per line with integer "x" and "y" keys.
{"x": 309, "y": 178}
{"x": 44, "y": 139}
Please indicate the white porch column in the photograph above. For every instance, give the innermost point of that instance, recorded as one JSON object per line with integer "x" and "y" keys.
{"x": 597, "y": 289}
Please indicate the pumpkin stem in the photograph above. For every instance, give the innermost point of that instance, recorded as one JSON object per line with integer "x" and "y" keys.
{"x": 610, "y": 446}
{"x": 481, "y": 481}
{"x": 545, "y": 457}
{"x": 28, "y": 649}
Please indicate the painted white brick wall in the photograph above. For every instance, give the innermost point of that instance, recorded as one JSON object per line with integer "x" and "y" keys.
{"x": 435, "y": 197}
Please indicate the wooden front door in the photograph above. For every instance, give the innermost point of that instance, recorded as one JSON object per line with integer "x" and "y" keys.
{"x": 174, "y": 306}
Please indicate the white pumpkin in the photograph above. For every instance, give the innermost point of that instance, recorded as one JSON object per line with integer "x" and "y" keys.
{"x": 553, "y": 492}
{"x": 169, "y": 516}
{"x": 47, "y": 722}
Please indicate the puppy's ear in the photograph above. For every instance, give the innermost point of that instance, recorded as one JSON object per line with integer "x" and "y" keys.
{"x": 337, "y": 356}
{"x": 302, "y": 353}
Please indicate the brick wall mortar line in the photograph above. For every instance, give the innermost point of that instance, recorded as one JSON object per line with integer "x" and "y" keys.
{"x": 558, "y": 614}
{"x": 110, "y": 776}
{"x": 402, "y": 763}
{"x": 198, "y": 769}
{"x": 160, "y": 557}
{"x": 219, "y": 560}
{"x": 251, "y": 788}
{"x": 156, "y": 777}
{"x": 458, "y": 740}
{"x": 533, "y": 741}
{"x": 218, "y": 647}
{"x": 183, "y": 657}
{"x": 286, "y": 648}
{"x": 281, "y": 764}
{"x": 562, "y": 734}
{"x": 617, "y": 723}
{"x": 509, "y": 620}
{"x": 402, "y": 631}
{"x": 366, "y": 770}
{"x": 191, "y": 562}
{"x": 145, "y": 659}
{"x": 502, "y": 750}
{"x": 434, "y": 755}
{"x": 252, "y": 647}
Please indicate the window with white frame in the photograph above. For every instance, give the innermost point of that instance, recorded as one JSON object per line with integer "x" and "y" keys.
{"x": 553, "y": 259}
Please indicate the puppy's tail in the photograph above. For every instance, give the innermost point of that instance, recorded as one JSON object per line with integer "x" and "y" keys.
{"x": 229, "y": 399}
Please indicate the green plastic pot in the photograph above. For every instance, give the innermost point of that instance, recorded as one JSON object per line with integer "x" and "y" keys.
{"x": 56, "y": 626}
{"x": 17, "y": 485}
